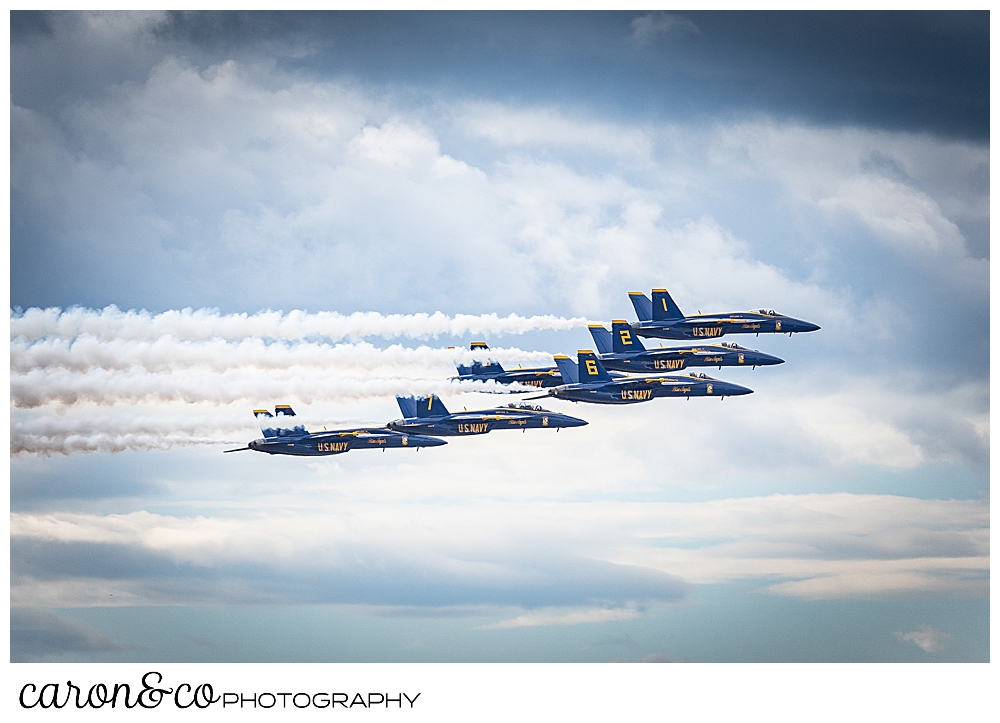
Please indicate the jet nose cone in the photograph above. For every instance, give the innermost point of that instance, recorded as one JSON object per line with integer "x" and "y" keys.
{"x": 423, "y": 441}
{"x": 799, "y": 325}
{"x": 567, "y": 421}
{"x": 734, "y": 390}
{"x": 761, "y": 359}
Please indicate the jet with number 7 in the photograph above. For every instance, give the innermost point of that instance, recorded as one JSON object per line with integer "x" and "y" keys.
{"x": 661, "y": 318}
{"x": 590, "y": 382}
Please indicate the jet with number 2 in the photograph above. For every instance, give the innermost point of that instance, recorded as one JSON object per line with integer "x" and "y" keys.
{"x": 662, "y": 319}
{"x": 428, "y": 416}
{"x": 590, "y": 382}
{"x": 281, "y": 438}
{"x": 621, "y": 350}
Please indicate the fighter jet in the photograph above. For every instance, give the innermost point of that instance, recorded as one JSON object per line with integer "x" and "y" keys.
{"x": 491, "y": 370}
{"x": 620, "y": 349}
{"x": 280, "y": 438}
{"x": 428, "y": 415}
{"x": 590, "y": 382}
{"x": 662, "y": 319}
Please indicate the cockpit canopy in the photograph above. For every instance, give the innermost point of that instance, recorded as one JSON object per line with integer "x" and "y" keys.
{"x": 699, "y": 375}
{"x": 768, "y": 312}
{"x": 525, "y": 405}
{"x": 731, "y": 345}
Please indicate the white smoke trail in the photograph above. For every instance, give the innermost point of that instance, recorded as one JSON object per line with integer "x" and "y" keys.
{"x": 101, "y": 442}
{"x": 201, "y": 324}
{"x": 168, "y": 354}
{"x": 68, "y": 366}
{"x": 39, "y": 386}
{"x": 89, "y": 427}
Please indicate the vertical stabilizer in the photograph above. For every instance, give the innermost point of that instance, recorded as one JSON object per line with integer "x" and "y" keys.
{"x": 431, "y": 406}
{"x": 590, "y": 367}
{"x": 602, "y": 338}
{"x": 408, "y": 406}
{"x": 664, "y": 308}
{"x": 489, "y": 368}
{"x": 279, "y": 424}
{"x": 567, "y": 368}
{"x": 643, "y": 306}
{"x": 623, "y": 340}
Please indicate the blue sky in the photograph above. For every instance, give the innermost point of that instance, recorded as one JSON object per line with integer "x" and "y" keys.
{"x": 311, "y": 208}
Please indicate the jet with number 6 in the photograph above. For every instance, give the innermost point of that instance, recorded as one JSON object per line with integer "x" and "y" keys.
{"x": 590, "y": 382}
{"x": 621, "y": 350}
{"x": 281, "y": 437}
{"x": 661, "y": 318}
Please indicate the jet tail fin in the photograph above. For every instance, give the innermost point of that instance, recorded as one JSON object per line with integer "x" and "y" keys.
{"x": 590, "y": 367}
{"x": 408, "y": 406}
{"x": 664, "y": 307}
{"x": 430, "y": 406}
{"x": 643, "y": 306}
{"x": 567, "y": 367}
{"x": 602, "y": 338}
{"x": 280, "y": 423}
{"x": 489, "y": 368}
{"x": 623, "y": 340}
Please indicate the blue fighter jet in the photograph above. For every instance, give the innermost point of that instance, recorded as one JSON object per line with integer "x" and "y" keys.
{"x": 662, "y": 319}
{"x": 492, "y": 371}
{"x": 620, "y": 349}
{"x": 280, "y": 438}
{"x": 590, "y": 382}
{"x": 428, "y": 415}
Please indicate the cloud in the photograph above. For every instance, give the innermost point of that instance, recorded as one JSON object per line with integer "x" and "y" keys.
{"x": 927, "y": 639}
{"x": 37, "y": 634}
{"x": 588, "y": 562}
{"x": 576, "y": 617}
{"x": 652, "y": 26}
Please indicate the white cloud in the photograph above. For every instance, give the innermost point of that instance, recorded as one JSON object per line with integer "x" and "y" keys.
{"x": 576, "y": 617}
{"x": 296, "y": 184}
{"x": 549, "y": 127}
{"x": 550, "y": 557}
{"x": 927, "y": 639}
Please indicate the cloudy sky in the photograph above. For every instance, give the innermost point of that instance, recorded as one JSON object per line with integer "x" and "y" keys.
{"x": 217, "y": 212}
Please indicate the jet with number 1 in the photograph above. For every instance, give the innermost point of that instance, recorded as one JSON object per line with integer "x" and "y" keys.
{"x": 620, "y": 349}
{"x": 590, "y": 382}
{"x": 660, "y": 318}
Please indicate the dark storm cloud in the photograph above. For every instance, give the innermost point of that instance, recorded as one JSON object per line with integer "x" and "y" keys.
{"x": 27, "y": 24}
{"x": 902, "y": 70}
{"x": 36, "y": 634}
